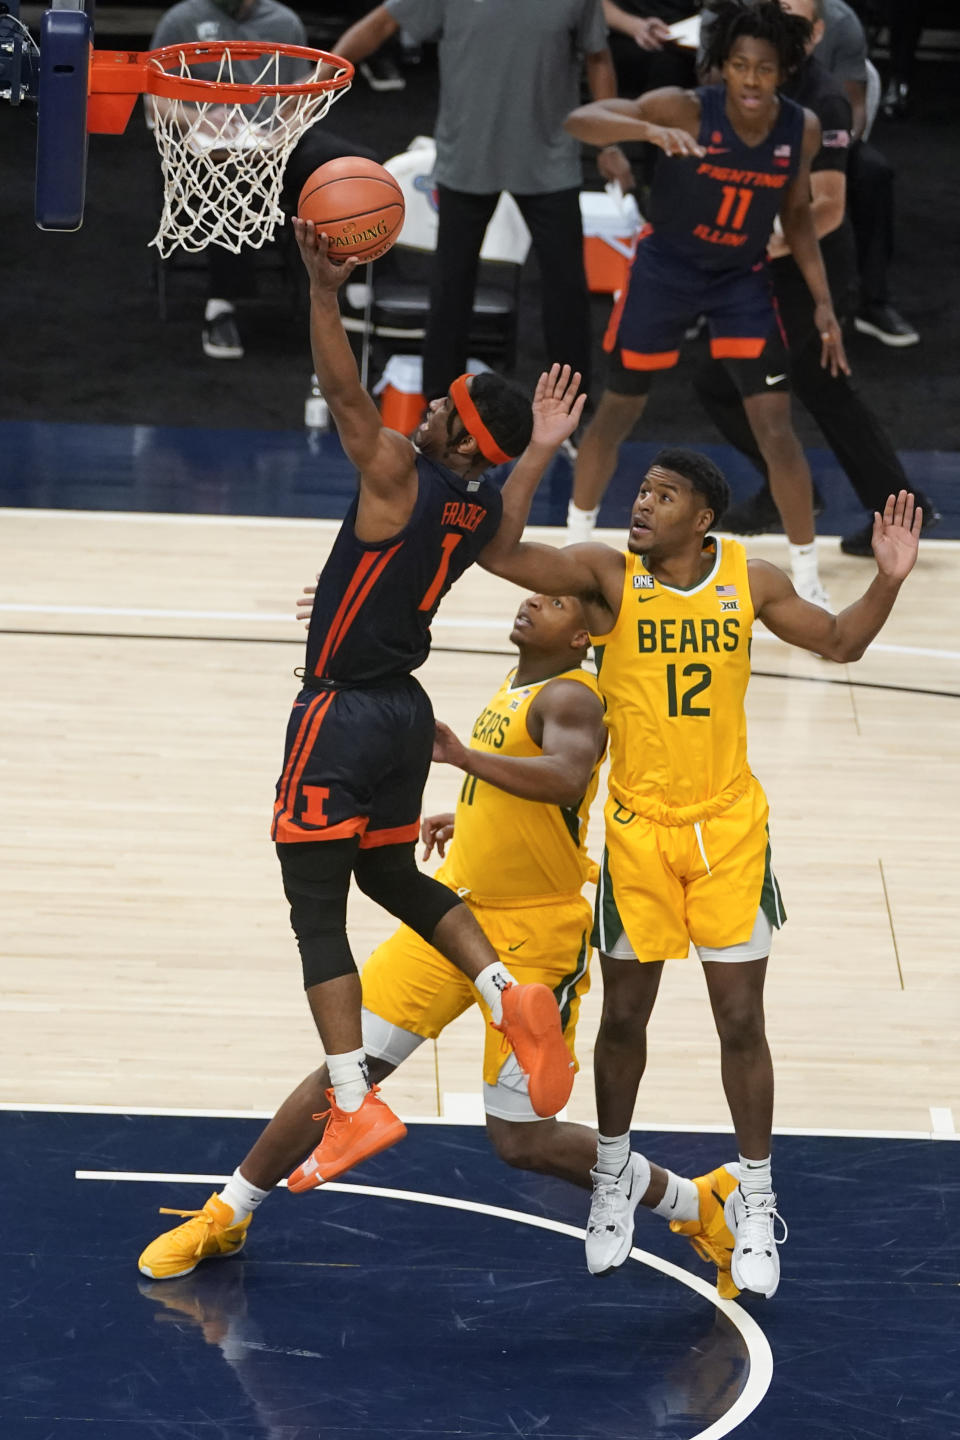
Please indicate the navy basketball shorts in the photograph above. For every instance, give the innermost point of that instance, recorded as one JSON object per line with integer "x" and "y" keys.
{"x": 665, "y": 295}
{"x": 355, "y": 763}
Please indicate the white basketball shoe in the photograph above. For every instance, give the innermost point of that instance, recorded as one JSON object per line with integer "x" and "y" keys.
{"x": 610, "y": 1226}
{"x": 755, "y": 1263}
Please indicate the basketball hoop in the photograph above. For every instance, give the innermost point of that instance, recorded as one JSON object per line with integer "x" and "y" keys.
{"x": 224, "y": 138}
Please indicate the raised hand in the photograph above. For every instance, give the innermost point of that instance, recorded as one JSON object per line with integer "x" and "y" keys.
{"x": 557, "y": 406}
{"x": 896, "y": 536}
{"x": 324, "y": 273}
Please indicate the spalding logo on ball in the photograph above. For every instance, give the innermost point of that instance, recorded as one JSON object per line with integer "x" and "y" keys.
{"x": 357, "y": 204}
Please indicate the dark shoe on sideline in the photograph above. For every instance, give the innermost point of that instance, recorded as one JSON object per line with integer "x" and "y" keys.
{"x": 758, "y": 515}
{"x": 886, "y": 325}
{"x": 221, "y": 338}
{"x": 859, "y": 542}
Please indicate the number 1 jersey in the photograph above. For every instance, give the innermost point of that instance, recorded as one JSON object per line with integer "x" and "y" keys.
{"x": 673, "y": 674}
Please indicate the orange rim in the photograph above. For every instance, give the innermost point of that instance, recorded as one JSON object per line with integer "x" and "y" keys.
{"x": 122, "y": 72}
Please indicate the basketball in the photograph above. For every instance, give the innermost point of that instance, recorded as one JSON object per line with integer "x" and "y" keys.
{"x": 357, "y": 204}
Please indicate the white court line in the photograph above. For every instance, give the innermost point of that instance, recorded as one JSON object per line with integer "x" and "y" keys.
{"x": 465, "y": 622}
{"x": 758, "y": 1349}
{"x": 607, "y": 535}
{"x": 649, "y": 1127}
{"x": 941, "y": 1120}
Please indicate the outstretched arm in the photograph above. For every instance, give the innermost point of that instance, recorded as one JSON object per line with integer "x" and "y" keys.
{"x": 384, "y": 458}
{"x": 557, "y": 408}
{"x": 843, "y": 637}
{"x": 568, "y": 728}
{"x": 800, "y": 233}
{"x": 668, "y": 118}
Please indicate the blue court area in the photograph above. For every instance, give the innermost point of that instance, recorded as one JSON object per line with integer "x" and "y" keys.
{"x": 439, "y": 1294}
{"x": 299, "y": 473}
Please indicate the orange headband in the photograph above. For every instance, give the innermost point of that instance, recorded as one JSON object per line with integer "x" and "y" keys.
{"x": 470, "y": 416}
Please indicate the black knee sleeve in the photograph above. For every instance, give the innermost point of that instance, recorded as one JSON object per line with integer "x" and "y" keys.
{"x": 316, "y": 878}
{"x": 389, "y": 875}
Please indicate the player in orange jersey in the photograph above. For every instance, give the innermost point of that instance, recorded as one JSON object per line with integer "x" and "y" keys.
{"x": 736, "y": 160}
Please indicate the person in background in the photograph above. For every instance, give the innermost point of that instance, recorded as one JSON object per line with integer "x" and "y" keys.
{"x": 852, "y": 430}
{"x": 510, "y": 72}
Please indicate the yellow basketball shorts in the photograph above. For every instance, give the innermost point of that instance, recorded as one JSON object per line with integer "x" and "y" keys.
{"x": 411, "y": 992}
{"x": 663, "y": 886}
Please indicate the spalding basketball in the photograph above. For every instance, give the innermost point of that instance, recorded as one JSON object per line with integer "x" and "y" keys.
{"x": 357, "y": 204}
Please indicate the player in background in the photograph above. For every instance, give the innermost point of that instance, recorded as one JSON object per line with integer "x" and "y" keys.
{"x": 736, "y": 160}
{"x": 687, "y": 857}
{"x": 518, "y": 860}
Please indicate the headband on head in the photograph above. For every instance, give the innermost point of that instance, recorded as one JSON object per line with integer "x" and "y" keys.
{"x": 470, "y": 416}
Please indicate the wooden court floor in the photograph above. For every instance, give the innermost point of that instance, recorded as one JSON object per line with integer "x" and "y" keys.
{"x": 145, "y": 954}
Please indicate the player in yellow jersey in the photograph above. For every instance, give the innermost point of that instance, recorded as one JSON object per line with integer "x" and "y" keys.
{"x": 519, "y": 861}
{"x": 687, "y": 856}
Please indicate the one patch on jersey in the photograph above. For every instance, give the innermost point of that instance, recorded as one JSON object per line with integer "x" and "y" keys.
{"x": 643, "y": 582}
{"x": 726, "y": 589}
{"x": 782, "y": 152}
{"x": 835, "y": 139}
{"x": 729, "y": 604}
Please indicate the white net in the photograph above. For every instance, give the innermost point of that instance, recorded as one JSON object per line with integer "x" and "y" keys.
{"x": 223, "y": 164}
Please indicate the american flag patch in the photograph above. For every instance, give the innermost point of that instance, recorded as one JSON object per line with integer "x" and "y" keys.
{"x": 835, "y": 139}
{"x": 781, "y": 152}
{"x": 726, "y": 589}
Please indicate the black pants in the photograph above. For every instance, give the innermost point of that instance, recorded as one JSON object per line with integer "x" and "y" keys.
{"x": 850, "y": 428}
{"x": 233, "y": 277}
{"x": 557, "y": 235}
{"x": 906, "y": 19}
{"x": 870, "y": 205}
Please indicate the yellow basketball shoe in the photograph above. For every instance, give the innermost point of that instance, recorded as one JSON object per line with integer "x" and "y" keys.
{"x": 710, "y": 1236}
{"x": 208, "y": 1232}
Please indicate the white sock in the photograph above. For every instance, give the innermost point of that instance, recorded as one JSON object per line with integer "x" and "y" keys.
{"x": 491, "y": 983}
{"x": 613, "y": 1152}
{"x": 580, "y": 524}
{"x": 755, "y": 1177}
{"x": 680, "y": 1199}
{"x": 350, "y": 1078}
{"x": 803, "y": 563}
{"x": 242, "y": 1197}
{"x": 217, "y": 307}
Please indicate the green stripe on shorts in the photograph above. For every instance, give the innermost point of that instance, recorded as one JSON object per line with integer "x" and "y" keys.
{"x": 771, "y": 902}
{"x": 607, "y": 925}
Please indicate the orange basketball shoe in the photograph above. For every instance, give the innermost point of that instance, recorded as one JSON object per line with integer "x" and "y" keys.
{"x": 531, "y": 1023}
{"x": 208, "y": 1232}
{"x": 710, "y": 1236}
{"x": 349, "y": 1137}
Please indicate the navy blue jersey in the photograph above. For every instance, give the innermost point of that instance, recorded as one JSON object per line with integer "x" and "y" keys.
{"x": 374, "y": 602}
{"x": 717, "y": 211}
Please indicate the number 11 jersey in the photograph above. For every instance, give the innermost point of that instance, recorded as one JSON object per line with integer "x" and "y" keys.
{"x": 717, "y": 210}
